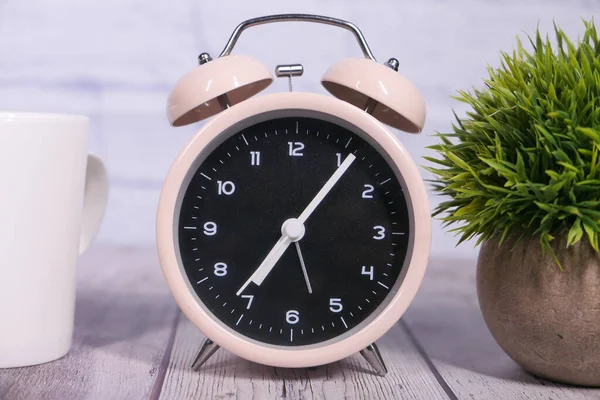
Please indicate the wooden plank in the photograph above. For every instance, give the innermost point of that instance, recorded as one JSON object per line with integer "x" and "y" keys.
{"x": 124, "y": 316}
{"x": 445, "y": 319}
{"x": 125, "y": 328}
{"x": 226, "y": 375}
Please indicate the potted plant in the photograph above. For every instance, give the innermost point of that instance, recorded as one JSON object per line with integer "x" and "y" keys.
{"x": 522, "y": 172}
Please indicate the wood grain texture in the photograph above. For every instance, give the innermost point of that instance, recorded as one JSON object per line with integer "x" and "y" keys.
{"x": 131, "y": 342}
{"x": 446, "y": 320}
{"x": 124, "y": 316}
{"x": 226, "y": 375}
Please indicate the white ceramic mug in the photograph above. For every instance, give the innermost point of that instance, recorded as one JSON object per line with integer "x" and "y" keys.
{"x": 52, "y": 200}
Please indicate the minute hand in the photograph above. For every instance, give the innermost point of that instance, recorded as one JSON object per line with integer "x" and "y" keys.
{"x": 265, "y": 268}
{"x": 283, "y": 243}
{"x": 326, "y": 188}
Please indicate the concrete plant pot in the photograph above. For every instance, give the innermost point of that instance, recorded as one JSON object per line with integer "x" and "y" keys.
{"x": 545, "y": 319}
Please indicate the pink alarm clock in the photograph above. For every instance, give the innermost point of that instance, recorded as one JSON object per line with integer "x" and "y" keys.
{"x": 294, "y": 228}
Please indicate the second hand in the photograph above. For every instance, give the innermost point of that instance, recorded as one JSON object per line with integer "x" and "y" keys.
{"x": 303, "y": 267}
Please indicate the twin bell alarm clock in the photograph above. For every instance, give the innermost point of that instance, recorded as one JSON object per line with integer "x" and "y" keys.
{"x": 294, "y": 228}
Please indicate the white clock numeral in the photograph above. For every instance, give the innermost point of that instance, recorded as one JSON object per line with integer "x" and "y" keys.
{"x": 255, "y": 158}
{"x": 335, "y": 305}
{"x": 210, "y": 229}
{"x": 295, "y": 149}
{"x": 380, "y": 232}
{"x": 250, "y": 297}
{"x": 368, "y": 192}
{"x": 226, "y": 187}
{"x": 220, "y": 269}
{"x": 370, "y": 271}
{"x": 292, "y": 317}
{"x": 339, "y": 158}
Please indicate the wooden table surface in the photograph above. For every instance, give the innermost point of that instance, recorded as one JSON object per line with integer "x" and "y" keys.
{"x": 132, "y": 342}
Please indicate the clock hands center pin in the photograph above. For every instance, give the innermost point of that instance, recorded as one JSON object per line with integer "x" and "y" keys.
{"x": 292, "y": 230}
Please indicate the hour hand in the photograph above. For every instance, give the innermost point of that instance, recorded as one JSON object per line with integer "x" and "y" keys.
{"x": 268, "y": 263}
{"x": 291, "y": 231}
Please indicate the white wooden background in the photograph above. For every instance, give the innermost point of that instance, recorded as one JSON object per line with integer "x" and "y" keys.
{"x": 132, "y": 342}
{"x": 116, "y": 60}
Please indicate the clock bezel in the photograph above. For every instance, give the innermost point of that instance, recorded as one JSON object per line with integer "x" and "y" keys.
{"x": 226, "y": 124}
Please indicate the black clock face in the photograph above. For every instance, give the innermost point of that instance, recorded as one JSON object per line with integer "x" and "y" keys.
{"x": 340, "y": 254}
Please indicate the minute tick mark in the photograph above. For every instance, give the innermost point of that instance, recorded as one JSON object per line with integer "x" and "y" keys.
{"x": 238, "y": 322}
{"x": 383, "y": 285}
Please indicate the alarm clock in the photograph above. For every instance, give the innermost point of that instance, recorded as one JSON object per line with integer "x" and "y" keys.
{"x": 294, "y": 229}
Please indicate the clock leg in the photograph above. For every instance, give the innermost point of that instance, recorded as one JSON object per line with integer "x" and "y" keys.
{"x": 373, "y": 356}
{"x": 206, "y": 351}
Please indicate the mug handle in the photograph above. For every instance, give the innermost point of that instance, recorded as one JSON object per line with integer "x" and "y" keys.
{"x": 95, "y": 199}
